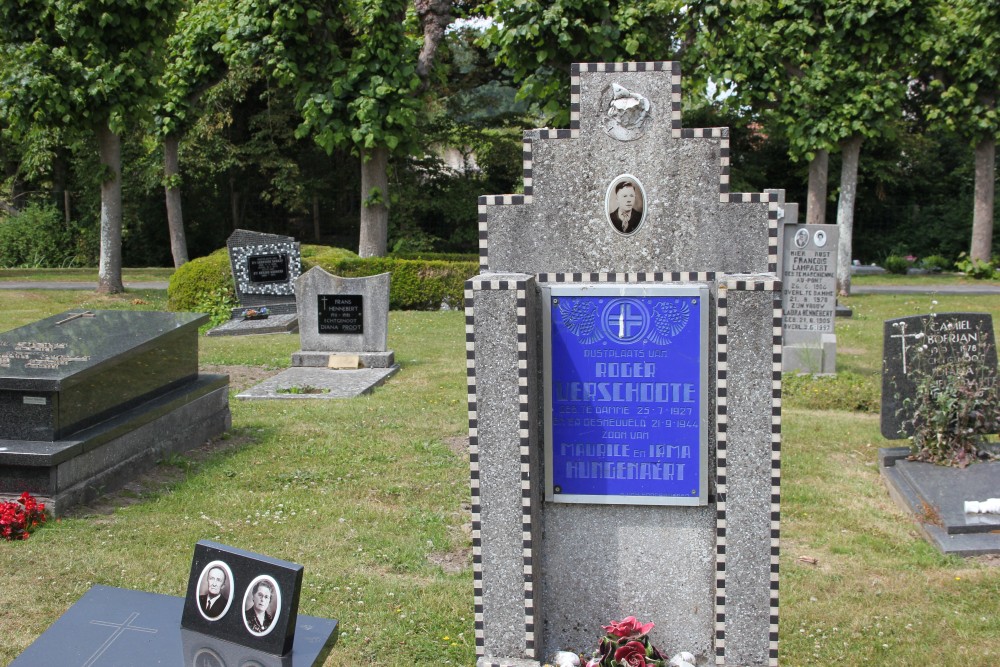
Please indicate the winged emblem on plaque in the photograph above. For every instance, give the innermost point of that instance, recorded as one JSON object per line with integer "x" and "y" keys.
{"x": 669, "y": 319}
{"x": 579, "y": 316}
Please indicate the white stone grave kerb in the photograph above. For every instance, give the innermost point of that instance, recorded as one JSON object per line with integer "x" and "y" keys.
{"x": 548, "y": 575}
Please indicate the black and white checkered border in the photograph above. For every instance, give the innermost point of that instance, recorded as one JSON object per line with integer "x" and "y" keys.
{"x": 613, "y": 68}
{"x": 722, "y": 422}
{"x": 520, "y": 288}
{"x": 634, "y": 277}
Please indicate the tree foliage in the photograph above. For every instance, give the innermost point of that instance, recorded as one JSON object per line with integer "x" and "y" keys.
{"x": 85, "y": 65}
{"x": 963, "y": 78}
{"x": 539, "y": 40}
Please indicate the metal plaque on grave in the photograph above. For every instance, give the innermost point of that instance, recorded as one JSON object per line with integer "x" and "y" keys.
{"x": 947, "y": 337}
{"x": 625, "y": 394}
{"x": 340, "y": 313}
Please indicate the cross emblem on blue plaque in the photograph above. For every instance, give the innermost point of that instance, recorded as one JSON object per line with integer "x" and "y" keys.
{"x": 625, "y": 320}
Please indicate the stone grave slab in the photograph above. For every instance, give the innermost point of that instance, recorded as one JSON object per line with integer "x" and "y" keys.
{"x": 330, "y": 383}
{"x": 112, "y": 627}
{"x": 625, "y": 199}
{"x": 90, "y": 398}
{"x": 935, "y": 496}
{"x": 71, "y": 370}
{"x": 948, "y": 336}
{"x": 809, "y": 298}
{"x": 238, "y": 326}
{"x": 343, "y": 316}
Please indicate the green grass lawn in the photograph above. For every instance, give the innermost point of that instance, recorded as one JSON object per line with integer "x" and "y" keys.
{"x": 371, "y": 496}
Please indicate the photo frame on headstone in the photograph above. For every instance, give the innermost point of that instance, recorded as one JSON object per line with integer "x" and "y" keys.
{"x": 260, "y": 596}
{"x": 625, "y": 204}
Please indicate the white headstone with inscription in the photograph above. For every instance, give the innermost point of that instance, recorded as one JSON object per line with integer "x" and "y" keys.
{"x": 809, "y": 298}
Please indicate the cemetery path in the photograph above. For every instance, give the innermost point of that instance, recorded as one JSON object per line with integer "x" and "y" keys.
{"x": 75, "y": 285}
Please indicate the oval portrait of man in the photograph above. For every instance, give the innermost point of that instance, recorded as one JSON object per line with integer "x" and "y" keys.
{"x": 625, "y": 204}
{"x": 215, "y": 590}
{"x": 261, "y": 605}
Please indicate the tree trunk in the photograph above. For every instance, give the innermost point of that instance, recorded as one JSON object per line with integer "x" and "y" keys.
{"x": 850, "y": 150}
{"x": 172, "y": 192}
{"x": 59, "y": 179}
{"x": 374, "y": 197}
{"x": 982, "y": 211}
{"x": 235, "y": 206}
{"x": 434, "y": 15}
{"x": 316, "y": 230}
{"x": 109, "y": 276}
{"x": 816, "y": 199}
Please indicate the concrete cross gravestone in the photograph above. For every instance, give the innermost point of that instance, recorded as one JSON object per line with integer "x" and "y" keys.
{"x": 809, "y": 297}
{"x": 624, "y": 354}
{"x": 924, "y": 343}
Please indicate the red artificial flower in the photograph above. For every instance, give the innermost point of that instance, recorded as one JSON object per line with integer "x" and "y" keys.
{"x": 628, "y": 627}
{"x": 633, "y": 654}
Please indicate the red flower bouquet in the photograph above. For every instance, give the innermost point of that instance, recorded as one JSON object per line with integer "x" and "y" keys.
{"x": 18, "y": 518}
{"x": 627, "y": 644}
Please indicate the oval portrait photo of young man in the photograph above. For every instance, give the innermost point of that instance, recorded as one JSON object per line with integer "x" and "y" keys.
{"x": 625, "y": 204}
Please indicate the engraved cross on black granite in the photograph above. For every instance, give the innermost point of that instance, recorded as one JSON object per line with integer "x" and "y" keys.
{"x": 75, "y": 316}
{"x": 120, "y": 628}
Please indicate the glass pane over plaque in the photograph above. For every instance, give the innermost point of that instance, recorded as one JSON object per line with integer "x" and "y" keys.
{"x": 625, "y": 377}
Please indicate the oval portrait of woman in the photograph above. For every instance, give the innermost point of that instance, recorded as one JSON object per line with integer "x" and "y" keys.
{"x": 625, "y": 204}
{"x": 261, "y": 605}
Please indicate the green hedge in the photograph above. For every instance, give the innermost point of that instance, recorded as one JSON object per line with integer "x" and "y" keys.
{"x": 206, "y": 284}
{"x": 416, "y": 284}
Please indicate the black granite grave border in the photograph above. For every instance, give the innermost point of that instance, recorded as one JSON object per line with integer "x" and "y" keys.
{"x": 108, "y": 455}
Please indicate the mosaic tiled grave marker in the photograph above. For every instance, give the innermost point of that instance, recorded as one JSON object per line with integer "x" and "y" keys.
{"x": 264, "y": 267}
{"x": 809, "y": 298}
{"x": 628, "y": 206}
{"x": 948, "y": 336}
{"x": 80, "y": 393}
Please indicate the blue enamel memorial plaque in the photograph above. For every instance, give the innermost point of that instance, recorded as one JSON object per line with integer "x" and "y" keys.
{"x": 626, "y": 369}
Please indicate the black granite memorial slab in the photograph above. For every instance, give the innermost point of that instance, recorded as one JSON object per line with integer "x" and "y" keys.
{"x": 243, "y": 597}
{"x": 948, "y": 336}
{"x": 73, "y": 370}
{"x": 340, "y": 313}
{"x": 114, "y": 627}
{"x": 935, "y": 497}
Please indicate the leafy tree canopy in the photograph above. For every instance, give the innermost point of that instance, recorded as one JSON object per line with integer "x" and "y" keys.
{"x": 80, "y": 63}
